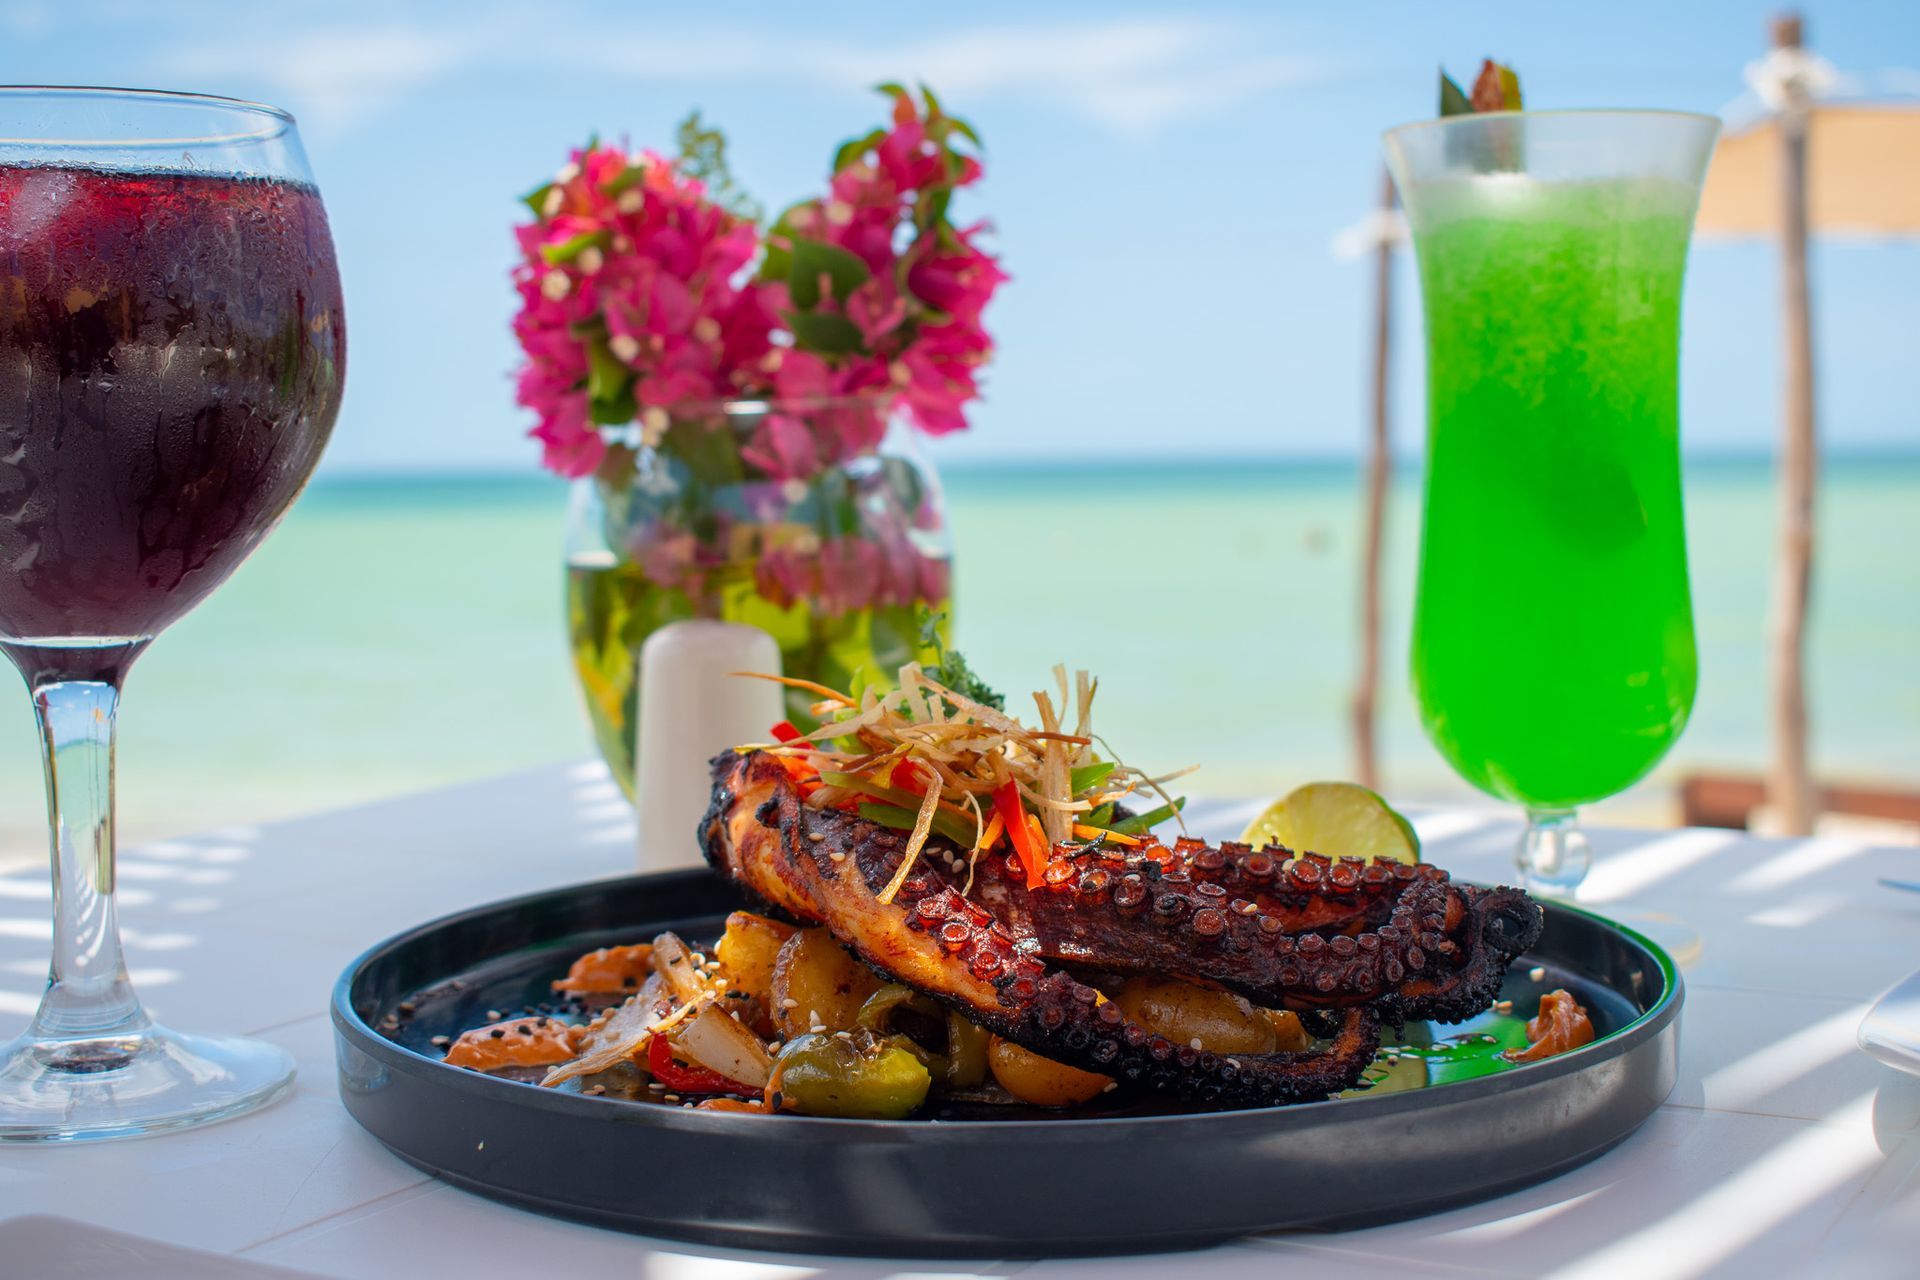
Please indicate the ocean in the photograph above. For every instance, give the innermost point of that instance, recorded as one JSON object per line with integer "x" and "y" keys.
{"x": 399, "y": 633}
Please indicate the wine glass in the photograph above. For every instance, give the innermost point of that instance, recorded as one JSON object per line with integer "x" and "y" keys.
{"x": 1553, "y": 649}
{"x": 171, "y": 356}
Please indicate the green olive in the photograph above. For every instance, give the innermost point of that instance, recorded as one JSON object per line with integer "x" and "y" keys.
{"x": 961, "y": 1064}
{"x": 860, "y": 1076}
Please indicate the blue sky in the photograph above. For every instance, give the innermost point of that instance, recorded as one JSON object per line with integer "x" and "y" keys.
{"x": 1166, "y": 182}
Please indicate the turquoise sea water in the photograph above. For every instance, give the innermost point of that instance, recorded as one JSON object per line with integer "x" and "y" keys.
{"x": 397, "y": 633}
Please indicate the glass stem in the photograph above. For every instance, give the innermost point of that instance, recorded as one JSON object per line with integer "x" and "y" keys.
{"x": 1554, "y": 854}
{"x": 88, "y": 994}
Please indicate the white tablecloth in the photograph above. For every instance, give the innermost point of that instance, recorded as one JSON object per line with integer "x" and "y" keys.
{"x": 1783, "y": 1150}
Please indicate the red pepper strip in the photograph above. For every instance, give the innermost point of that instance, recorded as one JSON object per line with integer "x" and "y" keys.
{"x": 1006, "y": 802}
{"x": 785, "y": 732}
{"x": 683, "y": 1077}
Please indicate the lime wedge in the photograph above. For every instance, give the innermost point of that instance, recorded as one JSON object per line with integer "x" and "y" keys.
{"x": 1338, "y": 819}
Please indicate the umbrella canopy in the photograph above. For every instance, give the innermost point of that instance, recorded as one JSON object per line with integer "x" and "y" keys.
{"x": 1863, "y": 175}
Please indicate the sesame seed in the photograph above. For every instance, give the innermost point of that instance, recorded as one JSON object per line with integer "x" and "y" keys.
{"x": 673, "y": 1097}
{"x": 789, "y": 1003}
{"x": 498, "y": 1033}
{"x": 843, "y": 1035}
{"x": 837, "y": 856}
{"x": 816, "y": 836}
{"x": 1538, "y": 973}
{"x": 1194, "y": 1043}
{"x": 773, "y": 1046}
{"x": 493, "y": 1015}
{"x": 700, "y": 958}
{"x": 656, "y": 1086}
{"x": 524, "y": 1029}
{"x": 1111, "y": 1085}
{"x": 817, "y": 1028}
{"x": 1503, "y": 1006}
{"x": 813, "y": 1015}
{"x": 597, "y": 1090}
{"x": 442, "y": 1040}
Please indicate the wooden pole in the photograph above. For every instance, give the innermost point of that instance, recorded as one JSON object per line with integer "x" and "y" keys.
{"x": 1366, "y": 765}
{"x": 1790, "y": 784}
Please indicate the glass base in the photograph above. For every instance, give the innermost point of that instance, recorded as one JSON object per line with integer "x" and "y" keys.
{"x": 126, "y": 1086}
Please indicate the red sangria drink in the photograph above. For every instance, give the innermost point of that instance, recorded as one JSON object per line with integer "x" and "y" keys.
{"x": 171, "y": 355}
{"x": 172, "y": 351}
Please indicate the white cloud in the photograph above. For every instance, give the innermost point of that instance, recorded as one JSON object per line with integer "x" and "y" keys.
{"x": 1130, "y": 74}
{"x": 333, "y": 80}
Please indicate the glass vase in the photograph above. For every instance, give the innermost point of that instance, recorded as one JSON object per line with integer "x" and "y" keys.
{"x": 841, "y": 563}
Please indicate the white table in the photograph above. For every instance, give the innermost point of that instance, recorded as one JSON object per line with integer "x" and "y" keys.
{"x": 1783, "y": 1150}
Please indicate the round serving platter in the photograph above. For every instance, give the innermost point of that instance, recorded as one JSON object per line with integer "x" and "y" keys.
{"x": 1134, "y": 1177}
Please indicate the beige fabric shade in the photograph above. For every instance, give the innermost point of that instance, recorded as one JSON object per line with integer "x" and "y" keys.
{"x": 1863, "y": 176}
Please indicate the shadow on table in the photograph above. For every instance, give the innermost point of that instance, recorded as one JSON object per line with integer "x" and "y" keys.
{"x": 167, "y": 883}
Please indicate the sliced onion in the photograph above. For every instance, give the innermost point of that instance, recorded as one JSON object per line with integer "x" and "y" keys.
{"x": 619, "y": 1035}
{"x": 721, "y": 1045}
{"x": 673, "y": 962}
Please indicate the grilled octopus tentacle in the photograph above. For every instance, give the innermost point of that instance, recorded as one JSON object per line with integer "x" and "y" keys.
{"x": 1341, "y": 941}
{"x": 1295, "y": 932}
{"x": 827, "y": 867}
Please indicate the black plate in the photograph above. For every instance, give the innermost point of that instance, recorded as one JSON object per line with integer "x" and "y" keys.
{"x": 1025, "y": 1184}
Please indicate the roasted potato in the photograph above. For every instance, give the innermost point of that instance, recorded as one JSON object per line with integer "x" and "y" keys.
{"x": 1184, "y": 1013}
{"x": 816, "y": 983}
{"x": 1289, "y": 1035}
{"x": 747, "y": 951}
{"x": 1042, "y": 1081}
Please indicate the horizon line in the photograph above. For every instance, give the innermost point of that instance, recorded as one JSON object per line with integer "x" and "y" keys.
{"x": 1402, "y": 461}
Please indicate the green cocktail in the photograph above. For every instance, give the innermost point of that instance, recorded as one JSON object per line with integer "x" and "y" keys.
{"x": 1553, "y": 635}
{"x": 1553, "y": 650}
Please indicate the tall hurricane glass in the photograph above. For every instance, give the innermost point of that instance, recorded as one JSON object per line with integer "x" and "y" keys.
{"x": 1553, "y": 650}
{"x": 171, "y": 356}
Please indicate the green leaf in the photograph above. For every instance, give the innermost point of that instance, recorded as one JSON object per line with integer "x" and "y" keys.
{"x": 892, "y": 89}
{"x": 815, "y": 258}
{"x": 1101, "y": 817}
{"x": 573, "y": 246}
{"x": 825, "y": 333}
{"x": 932, "y": 212}
{"x": 1509, "y": 87}
{"x": 626, "y": 179}
{"x": 1453, "y": 100}
{"x": 933, "y": 103}
{"x": 853, "y": 148}
{"x": 536, "y": 199}
{"x": 966, "y": 131}
{"x": 950, "y": 668}
{"x": 616, "y": 410}
{"x": 606, "y": 376}
{"x": 703, "y": 155}
{"x": 1088, "y": 776}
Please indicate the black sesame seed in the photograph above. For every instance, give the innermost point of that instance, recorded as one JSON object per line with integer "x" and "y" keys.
{"x": 497, "y": 1032}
